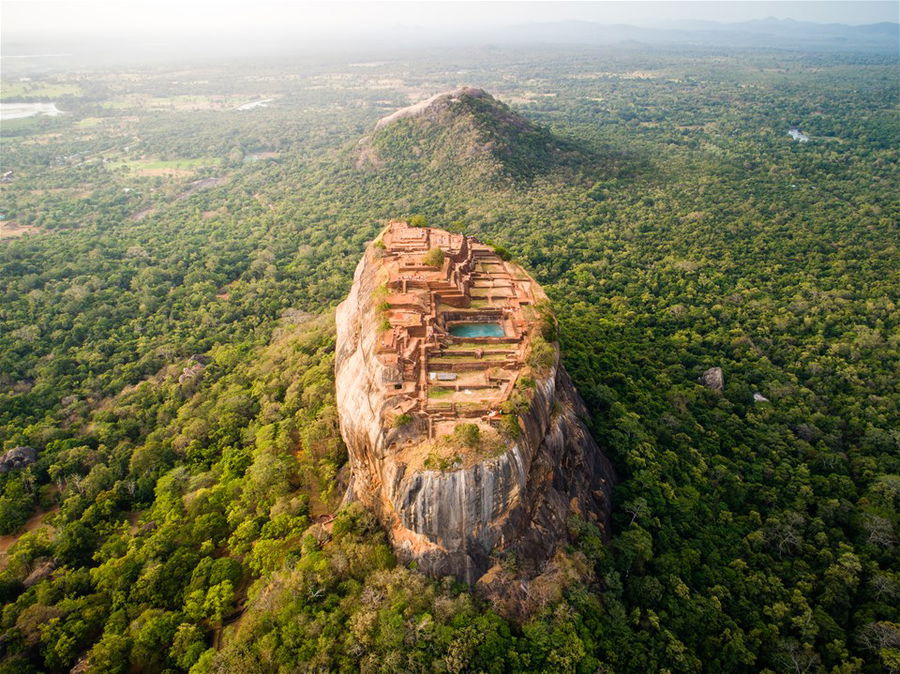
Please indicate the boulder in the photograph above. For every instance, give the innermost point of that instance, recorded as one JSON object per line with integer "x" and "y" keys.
{"x": 17, "y": 458}
{"x": 40, "y": 572}
{"x": 713, "y": 379}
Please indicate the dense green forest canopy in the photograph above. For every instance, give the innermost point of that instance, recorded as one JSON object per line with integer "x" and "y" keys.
{"x": 167, "y": 275}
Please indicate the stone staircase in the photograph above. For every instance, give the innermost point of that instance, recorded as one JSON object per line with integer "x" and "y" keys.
{"x": 448, "y": 294}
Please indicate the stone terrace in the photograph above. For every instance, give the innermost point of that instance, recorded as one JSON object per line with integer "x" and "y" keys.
{"x": 430, "y": 373}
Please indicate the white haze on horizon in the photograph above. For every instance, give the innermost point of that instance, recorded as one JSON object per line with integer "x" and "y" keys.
{"x": 277, "y": 18}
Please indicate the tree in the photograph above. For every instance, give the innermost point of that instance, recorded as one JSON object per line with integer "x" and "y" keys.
{"x": 15, "y": 506}
{"x": 187, "y": 646}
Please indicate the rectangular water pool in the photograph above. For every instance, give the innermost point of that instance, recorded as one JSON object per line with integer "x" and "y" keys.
{"x": 477, "y": 330}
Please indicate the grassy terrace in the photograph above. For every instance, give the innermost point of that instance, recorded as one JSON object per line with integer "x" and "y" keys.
{"x": 493, "y": 291}
{"x": 480, "y": 345}
{"x": 463, "y": 359}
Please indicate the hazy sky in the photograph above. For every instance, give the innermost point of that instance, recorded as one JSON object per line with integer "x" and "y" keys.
{"x": 211, "y": 17}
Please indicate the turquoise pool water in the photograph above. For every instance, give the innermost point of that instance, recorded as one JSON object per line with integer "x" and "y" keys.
{"x": 477, "y": 330}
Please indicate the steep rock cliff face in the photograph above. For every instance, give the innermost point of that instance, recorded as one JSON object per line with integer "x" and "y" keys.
{"x": 460, "y": 521}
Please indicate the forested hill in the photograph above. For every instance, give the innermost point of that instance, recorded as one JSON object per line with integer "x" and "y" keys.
{"x": 465, "y": 137}
{"x": 166, "y": 348}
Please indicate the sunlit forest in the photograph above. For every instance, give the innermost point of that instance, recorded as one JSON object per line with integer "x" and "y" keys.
{"x": 173, "y": 247}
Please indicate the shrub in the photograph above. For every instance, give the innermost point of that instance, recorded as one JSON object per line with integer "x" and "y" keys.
{"x": 436, "y": 462}
{"x": 418, "y": 221}
{"x": 509, "y": 424}
{"x": 468, "y": 435}
{"x": 517, "y": 403}
{"x": 542, "y": 354}
{"x": 503, "y": 253}
{"x": 434, "y": 257}
{"x": 547, "y": 321}
{"x": 402, "y": 420}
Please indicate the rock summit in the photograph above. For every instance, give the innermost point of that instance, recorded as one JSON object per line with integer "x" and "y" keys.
{"x": 464, "y": 431}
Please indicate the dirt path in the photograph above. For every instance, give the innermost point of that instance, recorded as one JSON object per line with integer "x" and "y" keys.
{"x": 35, "y": 521}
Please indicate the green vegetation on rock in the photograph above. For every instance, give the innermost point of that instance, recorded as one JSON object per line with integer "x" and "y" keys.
{"x": 434, "y": 257}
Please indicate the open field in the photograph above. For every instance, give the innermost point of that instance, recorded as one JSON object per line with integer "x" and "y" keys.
{"x": 172, "y": 103}
{"x": 37, "y": 90}
{"x": 12, "y": 230}
{"x": 160, "y": 167}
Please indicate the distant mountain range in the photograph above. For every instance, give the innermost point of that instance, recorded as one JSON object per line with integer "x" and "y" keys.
{"x": 771, "y": 32}
{"x": 23, "y": 53}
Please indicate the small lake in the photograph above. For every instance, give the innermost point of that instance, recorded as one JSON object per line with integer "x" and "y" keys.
{"x": 477, "y": 330}
{"x": 23, "y": 110}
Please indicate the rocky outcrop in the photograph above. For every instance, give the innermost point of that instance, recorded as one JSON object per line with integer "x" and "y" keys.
{"x": 713, "y": 379}
{"x": 432, "y": 106}
{"x": 462, "y": 520}
{"x": 41, "y": 570}
{"x": 17, "y": 458}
